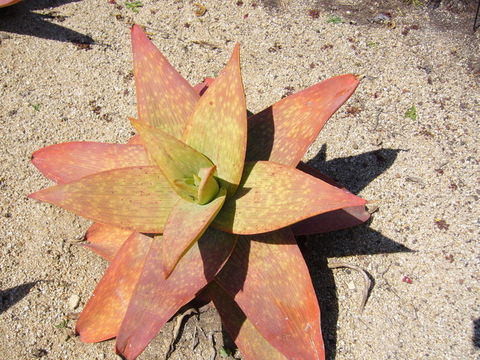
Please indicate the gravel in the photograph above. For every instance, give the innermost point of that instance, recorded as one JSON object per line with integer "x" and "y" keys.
{"x": 65, "y": 74}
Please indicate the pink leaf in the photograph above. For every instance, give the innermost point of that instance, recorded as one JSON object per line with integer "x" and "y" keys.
{"x": 164, "y": 98}
{"x": 67, "y": 162}
{"x": 157, "y": 299}
{"x": 268, "y": 278}
{"x": 103, "y": 314}
{"x": 272, "y": 196}
{"x": 283, "y": 132}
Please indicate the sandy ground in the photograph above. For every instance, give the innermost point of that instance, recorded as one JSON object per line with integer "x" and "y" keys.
{"x": 65, "y": 74}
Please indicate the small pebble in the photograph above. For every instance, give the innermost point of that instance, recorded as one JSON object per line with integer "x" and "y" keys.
{"x": 38, "y": 353}
{"x": 73, "y": 301}
{"x": 351, "y": 285}
{"x": 200, "y": 9}
{"x": 381, "y": 18}
{"x": 416, "y": 180}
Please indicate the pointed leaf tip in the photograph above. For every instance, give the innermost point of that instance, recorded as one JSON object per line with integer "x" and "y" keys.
{"x": 35, "y": 195}
{"x": 293, "y": 123}
{"x": 208, "y": 187}
{"x": 137, "y": 198}
{"x": 218, "y": 126}
{"x": 164, "y": 98}
{"x": 136, "y": 29}
{"x": 333, "y": 220}
{"x": 70, "y": 161}
{"x": 106, "y": 240}
{"x": 272, "y": 196}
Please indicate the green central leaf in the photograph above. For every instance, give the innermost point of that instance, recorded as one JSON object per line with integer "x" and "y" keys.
{"x": 207, "y": 185}
{"x": 189, "y": 172}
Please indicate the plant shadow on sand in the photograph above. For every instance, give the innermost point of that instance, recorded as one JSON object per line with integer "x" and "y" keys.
{"x": 22, "y": 19}
{"x": 356, "y": 172}
{"x": 476, "y": 334}
{"x": 10, "y": 297}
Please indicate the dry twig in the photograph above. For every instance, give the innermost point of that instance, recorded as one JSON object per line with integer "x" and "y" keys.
{"x": 176, "y": 330}
{"x": 368, "y": 282}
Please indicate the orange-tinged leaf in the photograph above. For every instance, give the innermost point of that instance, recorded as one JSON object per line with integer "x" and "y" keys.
{"x": 185, "y": 225}
{"x": 203, "y": 86}
{"x": 102, "y": 316}
{"x": 156, "y": 299}
{"x": 4, "y": 3}
{"x": 272, "y": 196}
{"x": 106, "y": 240}
{"x": 218, "y": 127}
{"x": 251, "y": 344}
{"x": 269, "y": 280}
{"x": 67, "y": 162}
{"x": 136, "y": 198}
{"x": 310, "y": 170}
{"x": 283, "y": 132}
{"x": 135, "y": 140}
{"x": 333, "y": 220}
{"x": 164, "y": 98}
{"x": 177, "y": 161}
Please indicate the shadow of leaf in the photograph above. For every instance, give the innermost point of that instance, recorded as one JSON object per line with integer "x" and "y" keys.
{"x": 355, "y": 172}
{"x": 22, "y": 19}
{"x": 11, "y": 296}
{"x": 476, "y": 333}
{"x": 318, "y": 248}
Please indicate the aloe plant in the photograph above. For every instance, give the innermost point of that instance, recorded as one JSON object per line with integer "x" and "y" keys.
{"x": 202, "y": 201}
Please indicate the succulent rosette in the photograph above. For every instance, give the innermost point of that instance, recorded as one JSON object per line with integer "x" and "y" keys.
{"x": 205, "y": 199}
